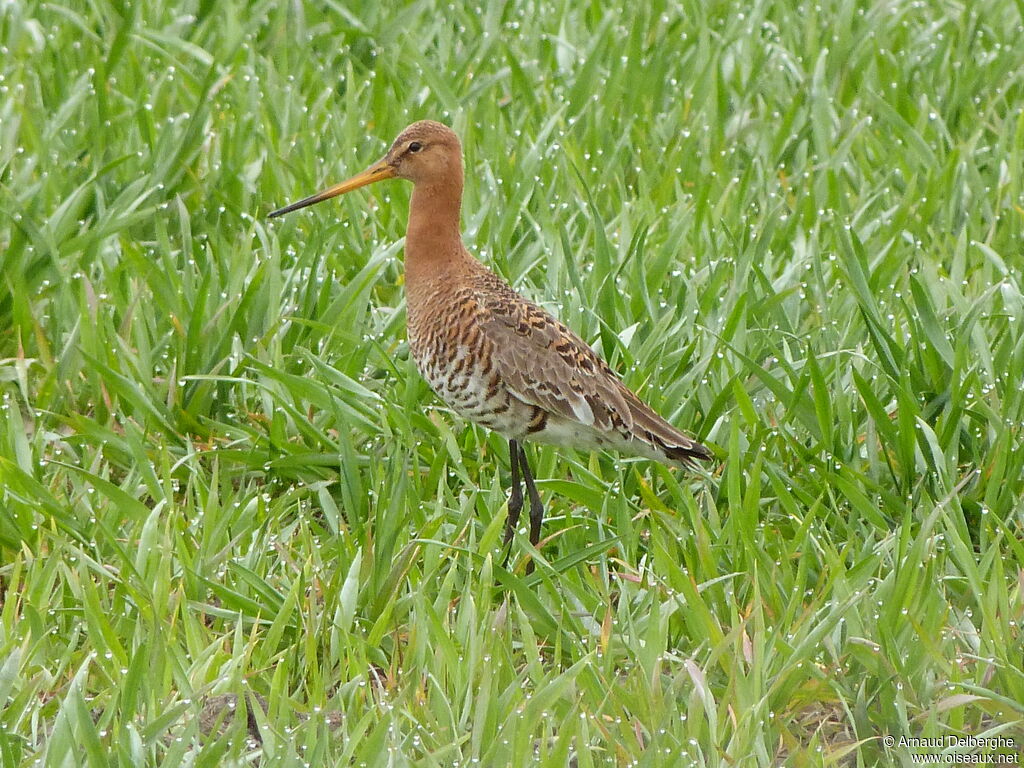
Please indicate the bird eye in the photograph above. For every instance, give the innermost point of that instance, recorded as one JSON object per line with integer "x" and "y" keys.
{"x": 415, "y": 146}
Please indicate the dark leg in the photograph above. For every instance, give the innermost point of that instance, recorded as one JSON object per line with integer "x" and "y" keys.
{"x": 515, "y": 498}
{"x": 536, "y": 507}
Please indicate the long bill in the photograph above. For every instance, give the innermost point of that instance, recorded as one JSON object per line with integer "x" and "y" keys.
{"x": 376, "y": 172}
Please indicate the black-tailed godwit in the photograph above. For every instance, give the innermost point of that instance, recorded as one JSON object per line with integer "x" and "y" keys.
{"x": 494, "y": 357}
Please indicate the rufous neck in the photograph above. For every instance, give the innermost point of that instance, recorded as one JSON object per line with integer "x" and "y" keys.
{"x": 433, "y": 238}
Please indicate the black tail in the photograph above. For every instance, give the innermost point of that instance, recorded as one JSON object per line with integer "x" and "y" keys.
{"x": 686, "y": 453}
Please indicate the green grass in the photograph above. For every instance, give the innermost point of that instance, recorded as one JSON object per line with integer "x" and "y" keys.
{"x": 796, "y": 231}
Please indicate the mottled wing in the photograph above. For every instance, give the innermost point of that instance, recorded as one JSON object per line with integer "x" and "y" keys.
{"x": 545, "y": 364}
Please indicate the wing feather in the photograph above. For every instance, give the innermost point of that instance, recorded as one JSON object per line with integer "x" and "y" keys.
{"x": 545, "y": 364}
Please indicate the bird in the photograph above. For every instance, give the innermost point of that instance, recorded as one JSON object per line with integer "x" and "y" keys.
{"x": 496, "y": 358}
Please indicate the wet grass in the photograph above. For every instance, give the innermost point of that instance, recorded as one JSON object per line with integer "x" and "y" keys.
{"x": 796, "y": 231}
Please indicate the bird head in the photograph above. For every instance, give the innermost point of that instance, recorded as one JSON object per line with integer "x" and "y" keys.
{"x": 423, "y": 153}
